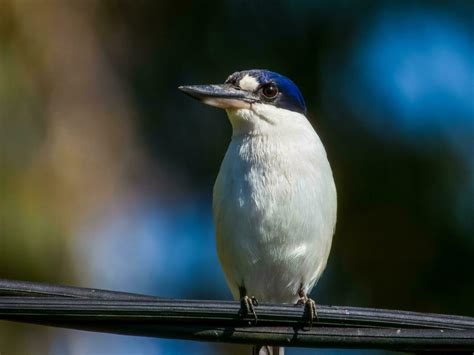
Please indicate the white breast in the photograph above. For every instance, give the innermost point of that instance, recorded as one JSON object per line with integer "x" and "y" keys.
{"x": 274, "y": 210}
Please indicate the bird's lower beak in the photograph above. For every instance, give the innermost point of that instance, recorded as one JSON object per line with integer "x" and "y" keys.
{"x": 223, "y": 96}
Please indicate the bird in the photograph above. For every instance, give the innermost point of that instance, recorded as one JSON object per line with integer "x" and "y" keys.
{"x": 274, "y": 199}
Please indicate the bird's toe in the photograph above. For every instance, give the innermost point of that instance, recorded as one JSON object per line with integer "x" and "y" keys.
{"x": 247, "y": 306}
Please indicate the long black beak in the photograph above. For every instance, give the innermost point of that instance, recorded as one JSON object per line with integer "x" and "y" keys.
{"x": 223, "y": 95}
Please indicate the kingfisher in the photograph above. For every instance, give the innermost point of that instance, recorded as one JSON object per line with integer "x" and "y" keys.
{"x": 274, "y": 200}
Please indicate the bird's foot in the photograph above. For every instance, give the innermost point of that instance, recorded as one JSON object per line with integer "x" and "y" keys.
{"x": 247, "y": 306}
{"x": 309, "y": 307}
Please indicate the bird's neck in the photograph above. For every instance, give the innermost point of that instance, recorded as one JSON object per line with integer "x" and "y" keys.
{"x": 267, "y": 120}
{"x": 278, "y": 148}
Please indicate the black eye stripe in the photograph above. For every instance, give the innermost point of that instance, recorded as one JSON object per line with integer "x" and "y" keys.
{"x": 232, "y": 79}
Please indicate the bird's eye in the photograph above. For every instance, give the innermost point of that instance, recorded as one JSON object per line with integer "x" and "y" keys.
{"x": 270, "y": 91}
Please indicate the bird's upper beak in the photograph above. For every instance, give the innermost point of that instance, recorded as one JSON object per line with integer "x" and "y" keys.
{"x": 223, "y": 96}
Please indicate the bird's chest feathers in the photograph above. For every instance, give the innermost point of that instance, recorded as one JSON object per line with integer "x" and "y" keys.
{"x": 260, "y": 176}
{"x": 264, "y": 184}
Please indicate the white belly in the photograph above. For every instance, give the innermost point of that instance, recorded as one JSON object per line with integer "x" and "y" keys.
{"x": 275, "y": 212}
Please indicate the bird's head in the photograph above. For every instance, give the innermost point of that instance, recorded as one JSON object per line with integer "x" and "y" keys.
{"x": 256, "y": 101}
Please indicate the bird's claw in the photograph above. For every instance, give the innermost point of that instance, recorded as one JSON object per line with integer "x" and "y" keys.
{"x": 309, "y": 308}
{"x": 247, "y": 306}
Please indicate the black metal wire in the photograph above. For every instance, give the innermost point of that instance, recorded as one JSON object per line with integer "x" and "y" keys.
{"x": 337, "y": 327}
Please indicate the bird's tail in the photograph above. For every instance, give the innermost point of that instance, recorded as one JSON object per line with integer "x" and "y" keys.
{"x": 268, "y": 350}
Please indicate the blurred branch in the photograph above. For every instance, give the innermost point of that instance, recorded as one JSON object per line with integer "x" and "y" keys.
{"x": 337, "y": 327}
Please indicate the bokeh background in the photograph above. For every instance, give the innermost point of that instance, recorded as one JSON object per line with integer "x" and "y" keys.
{"x": 107, "y": 169}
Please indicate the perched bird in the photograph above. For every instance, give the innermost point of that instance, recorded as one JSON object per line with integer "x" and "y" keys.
{"x": 274, "y": 199}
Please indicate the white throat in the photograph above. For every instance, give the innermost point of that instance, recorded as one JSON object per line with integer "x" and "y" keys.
{"x": 263, "y": 119}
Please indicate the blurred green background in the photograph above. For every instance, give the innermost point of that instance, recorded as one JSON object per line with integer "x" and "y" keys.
{"x": 107, "y": 169}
